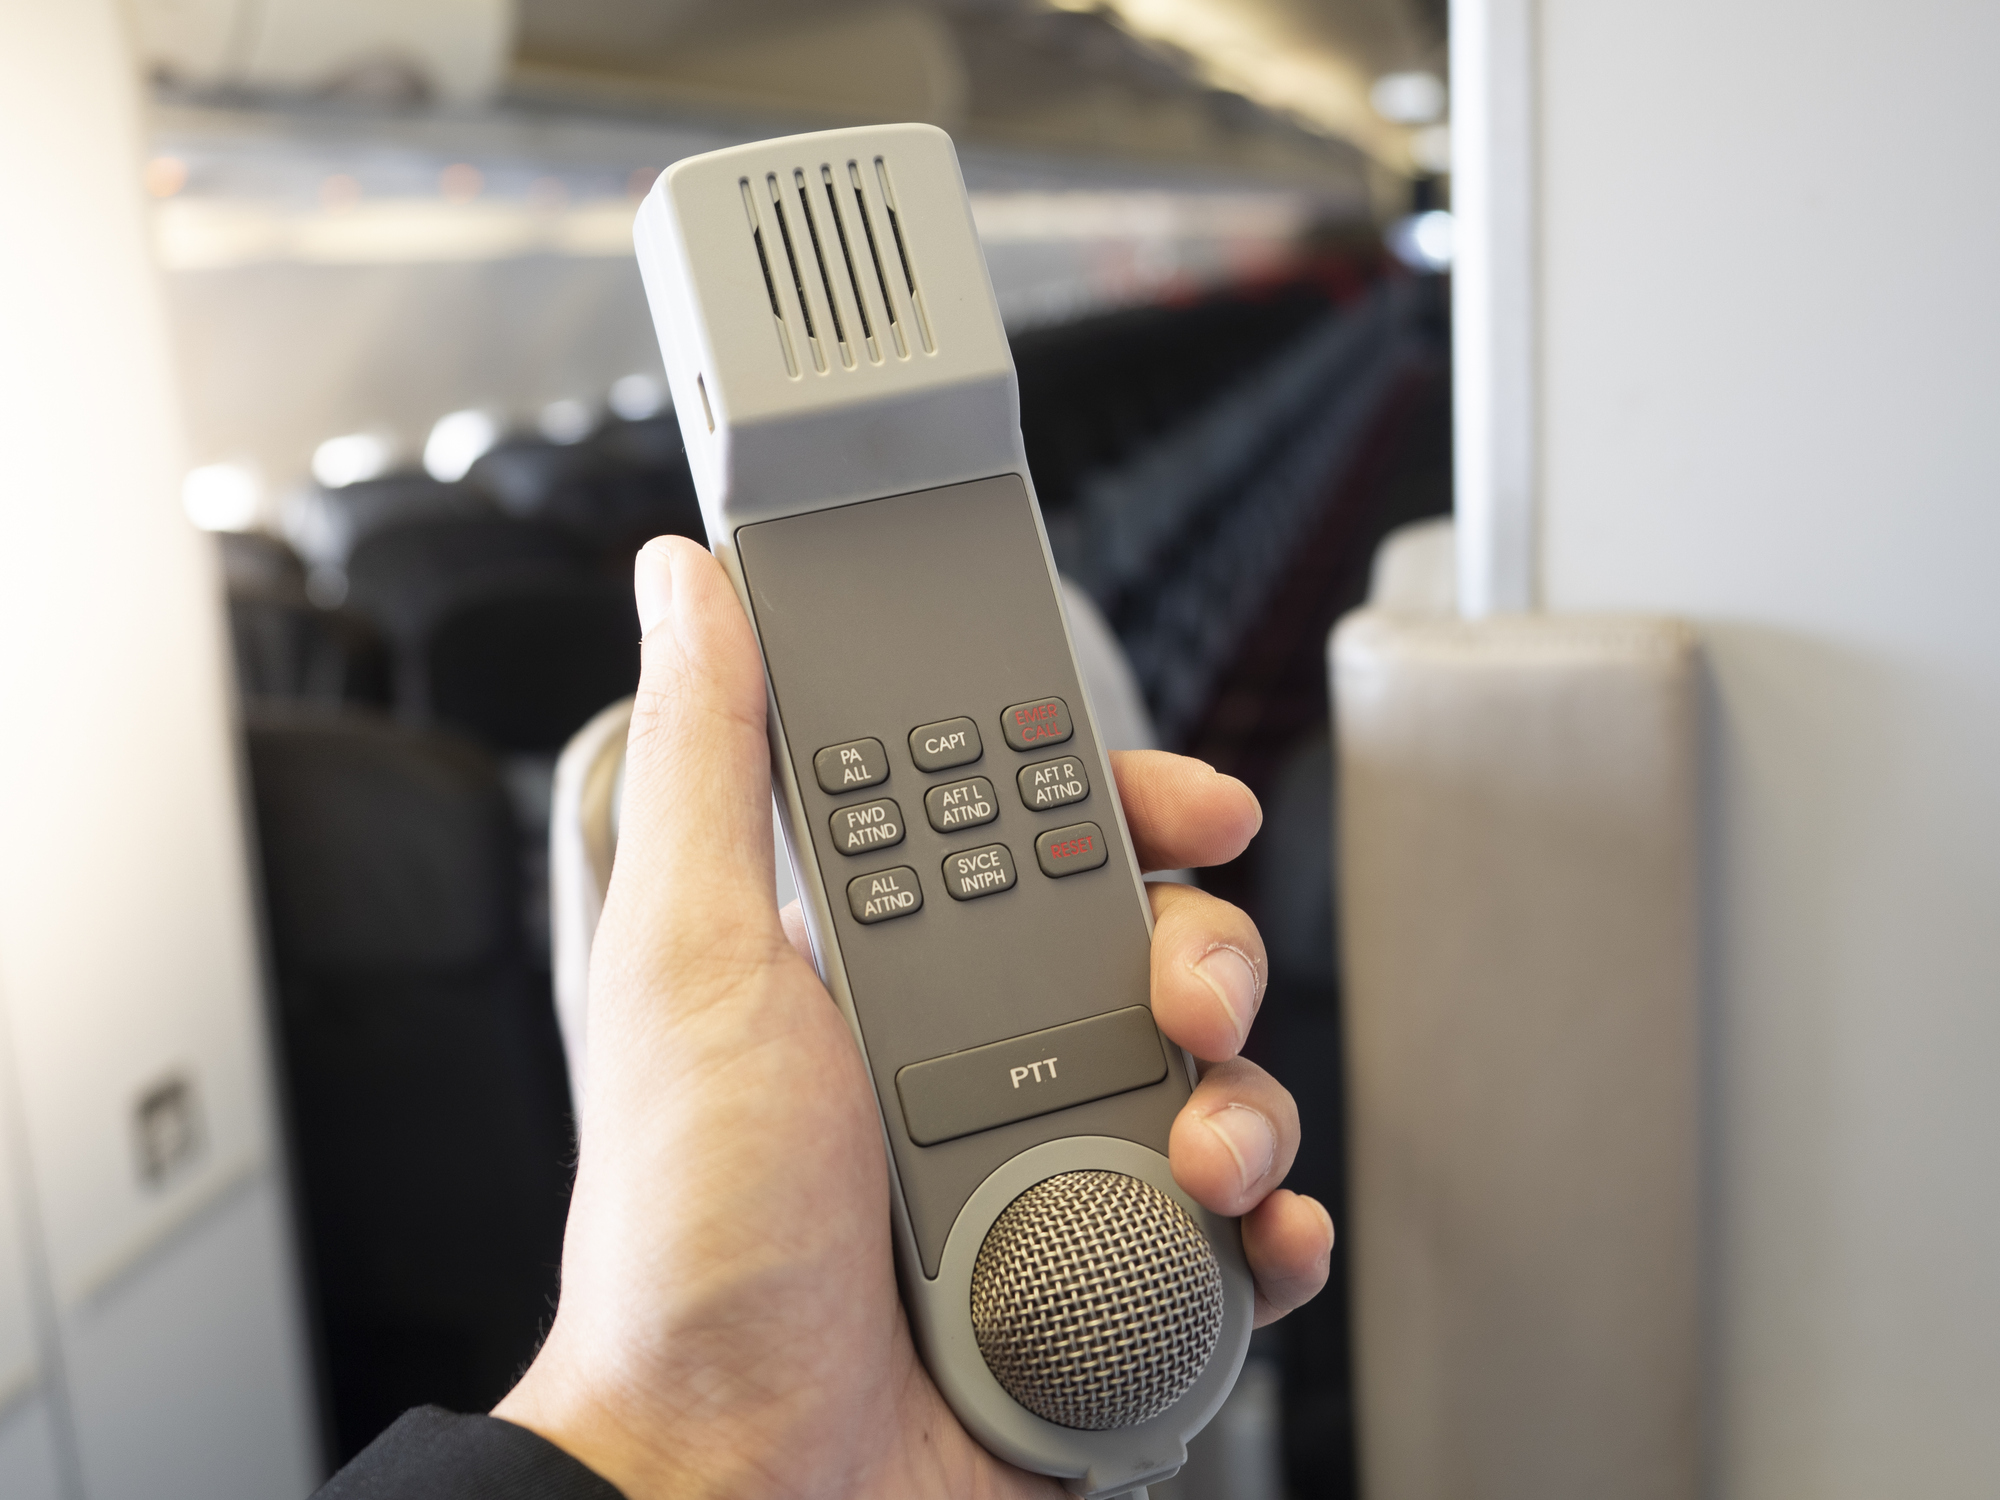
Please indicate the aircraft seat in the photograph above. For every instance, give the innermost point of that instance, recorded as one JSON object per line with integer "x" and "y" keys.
{"x": 1517, "y": 857}
{"x": 428, "y": 1108}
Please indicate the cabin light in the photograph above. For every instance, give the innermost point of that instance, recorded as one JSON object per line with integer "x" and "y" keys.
{"x": 350, "y": 458}
{"x": 456, "y": 443}
{"x": 566, "y": 421}
{"x": 1408, "y": 98}
{"x": 638, "y": 396}
{"x": 222, "y": 497}
{"x": 1423, "y": 242}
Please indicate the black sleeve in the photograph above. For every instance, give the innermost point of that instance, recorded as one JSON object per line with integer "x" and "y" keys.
{"x": 431, "y": 1454}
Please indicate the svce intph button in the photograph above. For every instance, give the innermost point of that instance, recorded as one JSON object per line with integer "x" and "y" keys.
{"x": 979, "y": 872}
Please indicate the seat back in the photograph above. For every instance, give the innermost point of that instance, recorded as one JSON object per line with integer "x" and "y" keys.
{"x": 428, "y": 1105}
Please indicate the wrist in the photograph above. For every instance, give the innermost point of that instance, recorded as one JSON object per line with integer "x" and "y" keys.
{"x": 551, "y": 1402}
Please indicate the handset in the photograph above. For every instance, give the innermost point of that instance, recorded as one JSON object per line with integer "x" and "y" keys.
{"x": 851, "y": 415}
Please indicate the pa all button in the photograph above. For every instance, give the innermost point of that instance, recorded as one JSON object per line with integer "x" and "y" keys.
{"x": 850, "y": 766}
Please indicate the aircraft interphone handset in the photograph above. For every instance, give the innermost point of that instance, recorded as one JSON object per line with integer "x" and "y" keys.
{"x": 840, "y": 371}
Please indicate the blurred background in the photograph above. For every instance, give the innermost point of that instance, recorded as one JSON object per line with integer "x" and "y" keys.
{"x": 1629, "y": 921}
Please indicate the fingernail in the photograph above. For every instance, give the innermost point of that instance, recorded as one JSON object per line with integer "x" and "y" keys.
{"x": 1247, "y": 1136}
{"x": 1228, "y": 973}
{"x": 652, "y": 586}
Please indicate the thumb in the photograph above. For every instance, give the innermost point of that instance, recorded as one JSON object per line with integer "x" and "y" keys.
{"x": 693, "y": 874}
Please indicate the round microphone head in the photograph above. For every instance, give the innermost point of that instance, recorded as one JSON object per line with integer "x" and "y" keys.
{"x": 1096, "y": 1300}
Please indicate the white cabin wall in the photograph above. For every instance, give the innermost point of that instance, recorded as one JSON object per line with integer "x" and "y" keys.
{"x": 170, "y": 1359}
{"x": 1767, "y": 322}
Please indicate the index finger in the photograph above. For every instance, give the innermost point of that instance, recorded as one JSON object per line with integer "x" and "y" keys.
{"x": 1183, "y": 812}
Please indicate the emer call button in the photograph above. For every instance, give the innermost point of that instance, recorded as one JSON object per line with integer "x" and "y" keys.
{"x": 1029, "y": 726}
{"x": 850, "y": 767}
{"x": 961, "y": 804}
{"x": 885, "y": 894}
{"x": 869, "y": 825}
{"x": 939, "y": 747}
{"x": 1053, "y": 783}
{"x": 1071, "y": 850}
{"x": 1030, "y": 1075}
{"x": 979, "y": 872}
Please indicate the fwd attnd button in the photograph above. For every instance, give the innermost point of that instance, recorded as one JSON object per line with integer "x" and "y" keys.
{"x": 872, "y": 825}
{"x": 885, "y": 894}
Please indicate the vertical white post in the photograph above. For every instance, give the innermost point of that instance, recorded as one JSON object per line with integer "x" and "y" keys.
{"x": 1493, "y": 301}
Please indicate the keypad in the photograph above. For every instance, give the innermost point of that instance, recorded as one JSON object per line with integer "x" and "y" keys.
{"x": 961, "y": 804}
{"x": 939, "y": 747}
{"x": 1053, "y": 783}
{"x": 871, "y": 825}
{"x": 979, "y": 872}
{"x": 852, "y": 766}
{"x": 1029, "y": 726}
{"x": 953, "y": 807}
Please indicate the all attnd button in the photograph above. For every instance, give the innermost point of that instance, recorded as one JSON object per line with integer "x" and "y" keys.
{"x": 850, "y": 767}
{"x": 885, "y": 894}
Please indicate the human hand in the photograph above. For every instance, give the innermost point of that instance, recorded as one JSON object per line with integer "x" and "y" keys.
{"x": 729, "y": 1322}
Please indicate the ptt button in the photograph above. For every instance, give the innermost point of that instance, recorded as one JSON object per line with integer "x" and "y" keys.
{"x": 947, "y": 1097}
{"x": 1029, "y": 726}
{"x": 979, "y": 872}
{"x": 961, "y": 804}
{"x": 885, "y": 894}
{"x": 1071, "y": 850}
{"x": 871, "y": 825}
{"x": 850, "y": 767}
{"x": 1053, "y": 783}
{"x": 939, "y": 747}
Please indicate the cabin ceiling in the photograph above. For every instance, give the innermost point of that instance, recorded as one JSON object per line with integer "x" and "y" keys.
{"x": 1276, "y": 87}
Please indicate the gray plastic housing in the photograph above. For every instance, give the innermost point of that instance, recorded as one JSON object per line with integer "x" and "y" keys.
{"x": 864, "y": 484}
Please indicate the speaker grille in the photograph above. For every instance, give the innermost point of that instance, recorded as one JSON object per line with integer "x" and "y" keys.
{"x": 1096, "y": 1300}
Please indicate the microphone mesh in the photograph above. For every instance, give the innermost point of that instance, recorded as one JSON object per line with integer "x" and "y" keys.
{"x": 1096, "y": 1300}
